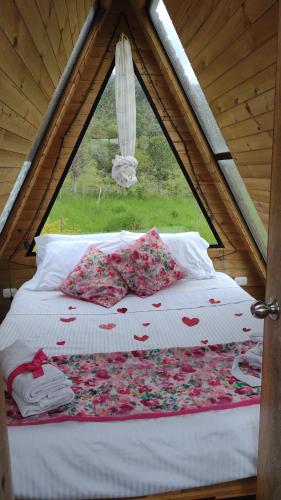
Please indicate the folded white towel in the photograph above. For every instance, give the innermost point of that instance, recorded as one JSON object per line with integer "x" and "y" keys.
{"x": 61, "y": 397}
{"x": 254, "y": 358}
{"x": 34, "y": 395}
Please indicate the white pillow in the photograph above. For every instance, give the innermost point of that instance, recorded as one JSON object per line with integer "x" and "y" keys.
{"x": 60, "y": 257}
{"x": 189, "y": 249}
{"x": 97, "y": 238}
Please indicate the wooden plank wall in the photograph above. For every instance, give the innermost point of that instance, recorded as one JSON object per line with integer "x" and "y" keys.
{"x": 36, "y": 39}
{"x": 233, "y": 259}
{"x": 232, "y": 45}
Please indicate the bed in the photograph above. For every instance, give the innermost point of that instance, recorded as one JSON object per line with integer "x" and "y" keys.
{"x": 86, "y": 460}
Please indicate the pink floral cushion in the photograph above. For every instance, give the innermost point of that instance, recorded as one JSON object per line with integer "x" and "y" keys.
{"x": 94, "y": 279}
{"x": 147, "y": 265}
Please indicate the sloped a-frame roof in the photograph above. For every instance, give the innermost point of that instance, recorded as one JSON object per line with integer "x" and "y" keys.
{"x": 233, "y": 49}
{"x": 239, "y": 257}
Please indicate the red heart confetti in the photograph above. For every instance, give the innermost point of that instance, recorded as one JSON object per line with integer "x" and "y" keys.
{"x": 190, "y": 321}
{"x": 71, "y": 307}
{"x": 146, "y": 324}
{"x": 142, "y": 338}
{"x": 122, "y": 310}
{"x": 61, "y": 342}
{"x": 247, "y": 329}
{"x": 67, "y": 320}
{"x": 205, "y": 341}
{"x": 157, "y": 305}
{"x": 238, "y": 314}
{"x": 214, "y": 301}
{"x": 107, "y": 326}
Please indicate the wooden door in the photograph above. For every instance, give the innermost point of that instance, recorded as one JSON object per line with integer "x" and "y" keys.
{"x": 269, "y": 464}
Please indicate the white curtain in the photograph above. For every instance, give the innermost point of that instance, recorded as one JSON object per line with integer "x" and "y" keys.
{"x": 125, "y": 165}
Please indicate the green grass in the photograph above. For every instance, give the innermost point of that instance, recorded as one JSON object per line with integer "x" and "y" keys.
{"x": 85, "y": 215}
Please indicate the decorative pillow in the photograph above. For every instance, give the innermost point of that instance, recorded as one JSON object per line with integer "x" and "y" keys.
{"x": 60, "y": 257}
{"x": 94, "y": 279}
{"x": 189, "y": 249}
{"x": 147, "y": 265}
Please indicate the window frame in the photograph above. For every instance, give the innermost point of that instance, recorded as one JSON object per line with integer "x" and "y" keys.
{"x": 259, "y": 236}
{"x": 219, "y": 243}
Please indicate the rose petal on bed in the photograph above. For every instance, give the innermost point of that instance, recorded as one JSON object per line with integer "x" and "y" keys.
{"x": 190, "y": 321}
{"x": 205, "y": 341}
{"x": 61, "y": 342}
{"x": 157, "y": 305}
{"x": 107, "y": 326}
{"x": 142, "y": 338}
{"x": 122, "y": 310}
{"x": 187, "y": 369}
{"x": 71, "y": 307}
{"x": 247, "y": 329}
{"x": 238, "y": 314}
{"x": 145, "y": 324}
{"x": 67, "y": 320}
{"x": 214, "y": 301}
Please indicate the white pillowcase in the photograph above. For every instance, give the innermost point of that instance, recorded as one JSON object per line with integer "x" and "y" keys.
{"x": 60, "y": 257}
{"x": 189, "y": 249}
{"x": 57, "y": 254}
{"x": 94, "y": 239}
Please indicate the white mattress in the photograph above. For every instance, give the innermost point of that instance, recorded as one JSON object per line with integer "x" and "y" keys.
{"x": 79, "y": 460}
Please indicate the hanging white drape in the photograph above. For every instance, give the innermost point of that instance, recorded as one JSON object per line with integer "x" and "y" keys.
{"x": 125, "y": 165}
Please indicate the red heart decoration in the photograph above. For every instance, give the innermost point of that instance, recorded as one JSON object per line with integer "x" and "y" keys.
{"x": 190, "y": 321}
{"x": 71, "y": 307}
{"x": 214, "y": 301}
{"x": 67, "y": 320}
{"x": 205, "y": 341}
{"x": 238, "y": 314}
{"x": 61, "y": 342}
{"x": 122, "y": 310}
{"x": 157, "y": 305}
{"x": 107, "y": 326}
{"x": 146, "y": 324}
{"x": 142, "y": 338}
{"x": 247, "y": 329}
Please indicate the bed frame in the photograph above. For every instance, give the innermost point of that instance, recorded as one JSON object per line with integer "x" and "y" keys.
{"x": 234, "y": 489}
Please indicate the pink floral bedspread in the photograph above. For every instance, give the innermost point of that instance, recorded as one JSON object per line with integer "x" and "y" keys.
{"x": 147, "y": 384}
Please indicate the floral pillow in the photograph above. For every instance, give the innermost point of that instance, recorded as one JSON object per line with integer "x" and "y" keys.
{"x": 147, "y": 265}
{"x": 94, "y": 279}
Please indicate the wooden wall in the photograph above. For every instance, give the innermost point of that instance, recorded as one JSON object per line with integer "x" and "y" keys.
{"x": 232, "y": 45}
{"x": 36, "y": 40}
{"x": 237, "y": 258}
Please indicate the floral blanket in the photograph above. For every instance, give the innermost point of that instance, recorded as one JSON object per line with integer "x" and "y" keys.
{"x": 148, "y": 384}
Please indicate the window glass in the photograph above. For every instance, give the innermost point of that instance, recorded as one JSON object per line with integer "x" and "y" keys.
{"x": 90, "y": 201}
{"x": 186, "y": 75}
{"x": 245, "y": 203}
{"x": 47, "y": 117}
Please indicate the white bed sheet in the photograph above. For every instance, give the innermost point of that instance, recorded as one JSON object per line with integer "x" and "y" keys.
{"x": 79, "y": 460}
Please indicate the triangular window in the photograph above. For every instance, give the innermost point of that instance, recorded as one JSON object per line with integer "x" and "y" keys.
{"x": 190, "y": 84}
{"x": 89, "y": 201}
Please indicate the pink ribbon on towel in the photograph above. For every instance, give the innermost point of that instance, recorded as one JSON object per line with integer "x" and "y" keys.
{"x": 34, "y": 366}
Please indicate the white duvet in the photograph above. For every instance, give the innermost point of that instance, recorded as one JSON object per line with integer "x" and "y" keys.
{"x": 75, "y": 460}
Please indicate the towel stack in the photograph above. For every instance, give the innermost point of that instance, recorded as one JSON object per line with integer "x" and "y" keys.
{"x": 35, "y": 385}
{"x": 254, "y": 358}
